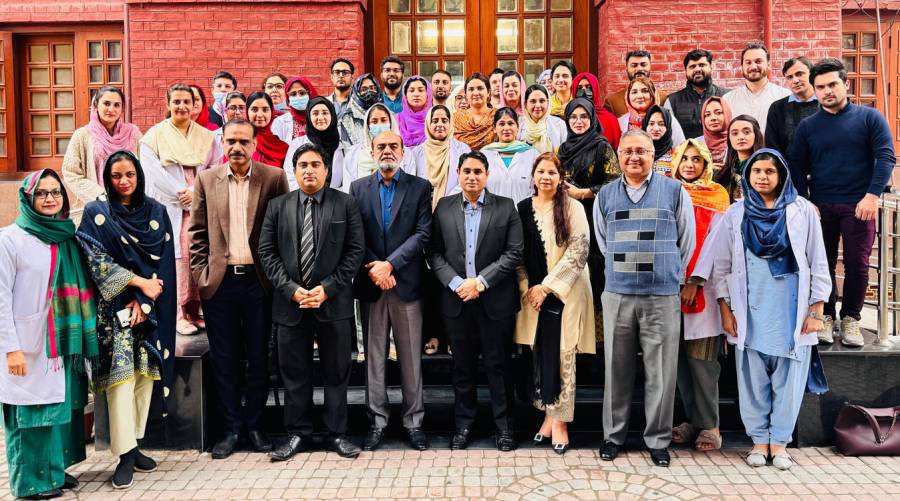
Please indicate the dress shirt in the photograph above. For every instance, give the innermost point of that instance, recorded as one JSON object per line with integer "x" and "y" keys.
{"x": 473, "y": 221}
{"x": 238, "y": 232}
{"x": 387, "y": 192}
{"x": 317, "y": 223}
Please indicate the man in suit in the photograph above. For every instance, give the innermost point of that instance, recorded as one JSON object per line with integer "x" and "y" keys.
{"x": 310, "y": 247}
{"x": 229, "y": 204}
{"x": 396, "y": 215}
{"x": 476, "y": 246}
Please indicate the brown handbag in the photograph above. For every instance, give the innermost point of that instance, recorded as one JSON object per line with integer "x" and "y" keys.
{"x": 861, "y": 431}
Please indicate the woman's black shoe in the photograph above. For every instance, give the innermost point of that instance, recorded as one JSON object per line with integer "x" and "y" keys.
{"x": 52, "y": 493}
{"x": 561, "y": 448}
{"x": 70, "y": 482}
{"x": 123, "y": 478}
{"x": 540, "y": 439}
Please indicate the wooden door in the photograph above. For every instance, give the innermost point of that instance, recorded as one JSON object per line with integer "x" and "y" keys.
{"x": 7, "y": 105}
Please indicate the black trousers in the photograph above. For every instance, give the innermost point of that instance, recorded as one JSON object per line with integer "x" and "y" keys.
{"x": 238, "y": 322}
{"x": 469, "y": 334}
{"x": 295, "y": 358}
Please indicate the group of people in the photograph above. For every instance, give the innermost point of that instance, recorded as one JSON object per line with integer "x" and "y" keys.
{"x": 495, "y": 217}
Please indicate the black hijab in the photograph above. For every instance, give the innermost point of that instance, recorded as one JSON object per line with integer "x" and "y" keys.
{"x": 662, "y": 145}
{"x": 329, "y": 139}
{"x": 580, "y": 151}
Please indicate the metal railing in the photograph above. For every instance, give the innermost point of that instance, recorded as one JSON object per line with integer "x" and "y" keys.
{"x": 888, "y": 266}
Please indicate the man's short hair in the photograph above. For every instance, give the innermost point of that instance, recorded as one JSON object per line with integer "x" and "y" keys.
{"x": 347, "y": 62}
{"x": 238, "y": 121}
{"x": 639, "y": 133}
{"x": 497, "y": 71}
{"x": 828, "y": 65}
{"x": 794, "y": 60}
{"x": 445, "y": 72}
{"x": 696, "y": 55}
{"x": 392, "y": 59}
{"x": 225, "y": 74}
{"x": 637, "y": 53}
{"x": 755, "y": 46}
{"x": 305, "y": 147}
{"x": 477, "y": 155}
{"x": 372, "y": 141}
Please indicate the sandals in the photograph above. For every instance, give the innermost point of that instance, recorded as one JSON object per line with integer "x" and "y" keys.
{"x": 683, "y": 433}
{"x": 431, "y": 347}
{"x": 708, "y": 441}
{"x": 755, "y": 459}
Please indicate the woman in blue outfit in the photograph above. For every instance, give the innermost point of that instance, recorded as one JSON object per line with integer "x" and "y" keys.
{"x": 772, "y": 281}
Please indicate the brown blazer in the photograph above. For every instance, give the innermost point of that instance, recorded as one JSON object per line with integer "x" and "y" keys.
{"x": 208, "y": 229}
{"x": 615, "y": 102}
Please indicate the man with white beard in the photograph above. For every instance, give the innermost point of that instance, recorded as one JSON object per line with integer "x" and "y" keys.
{"x": 758, "y": 93}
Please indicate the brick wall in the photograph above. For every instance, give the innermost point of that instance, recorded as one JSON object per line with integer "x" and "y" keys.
{"x": 55, "y": 11}
{"x": 168, "y": 43}
{"x": 671, "y": 28}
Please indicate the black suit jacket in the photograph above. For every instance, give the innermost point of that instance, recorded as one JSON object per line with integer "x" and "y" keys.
{"x": 404, "y": 244}
{"x": 498, "y": 251}
{"x": 339, "y": 252}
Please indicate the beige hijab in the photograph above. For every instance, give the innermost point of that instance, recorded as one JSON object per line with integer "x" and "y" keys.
{"x": 437, "y": 159}
{"x": 172, "y": 147}
{"x": 536, "y": 131}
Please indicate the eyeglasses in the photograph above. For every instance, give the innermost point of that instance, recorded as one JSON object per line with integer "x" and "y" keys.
{"x": 341, "y": 73}
{"x": 43, "y": 194}
{"x": 632, "y": 152}
{"x": 274, "y": 86}
{"x": 234, "y": 108}
{"x": 391, "y": 70}
{"x": 582, "y": 118}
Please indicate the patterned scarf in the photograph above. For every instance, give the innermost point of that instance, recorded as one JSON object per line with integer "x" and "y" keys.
{"x": 124, "y": 137}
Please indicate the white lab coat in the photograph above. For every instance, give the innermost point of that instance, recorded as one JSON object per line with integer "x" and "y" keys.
{"x": 515, "y": 181}
{"x": 707, "y": 323}
{"x": 556, "y": 130}
{"x": 283, "y": 127}
{"x": 457, "y": 148}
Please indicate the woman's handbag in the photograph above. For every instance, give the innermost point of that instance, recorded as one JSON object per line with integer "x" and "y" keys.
{"x": 862, "y": 431}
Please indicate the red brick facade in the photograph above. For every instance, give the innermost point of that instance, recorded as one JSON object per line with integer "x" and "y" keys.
{"x": 61, "y": 11}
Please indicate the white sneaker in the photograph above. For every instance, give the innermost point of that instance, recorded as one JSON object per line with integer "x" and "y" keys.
{"x": 826, "y": 335}
{"x": 850, "y": 335}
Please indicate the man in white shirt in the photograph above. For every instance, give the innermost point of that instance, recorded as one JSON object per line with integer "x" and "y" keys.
{"x": 758, "y": 93}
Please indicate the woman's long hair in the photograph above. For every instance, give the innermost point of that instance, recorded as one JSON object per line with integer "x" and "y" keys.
{"x": 726, "y": 174}
{"x": 561, "y": 226}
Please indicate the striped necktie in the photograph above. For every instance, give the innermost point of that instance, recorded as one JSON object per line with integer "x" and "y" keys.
{"x": 307, "y": 243}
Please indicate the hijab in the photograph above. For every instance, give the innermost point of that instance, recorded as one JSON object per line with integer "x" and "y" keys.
{"x": 476, "y": 134}
{"x": 71, "y": 328}
{"x": 357, "y": 103}
{"x": 203, "y": 117}
{"x": 636, "y": 118}
{"x": 717, "y": 142}
{"x": 536, "y": 133}
{"x": 298, "y": 116}
{"x": 451, "y": 100}
{"x": 123, "y": 137}
{"x": 704, "y": 191}
{"x": 412, "y": 123}
{"x": 329, "y": 139}
{"x": 270, "y": 149}
{"x": 609, "y": 124}
{"x": 365, "y": 163}
{"x": 545, "y": 74}
{"x": 581, "y": 151}
{"x": 765, "y": 230}
{"x": 662, "y": 145}
{"x": 437, "y": 158}
{"x": 520, "y": 106}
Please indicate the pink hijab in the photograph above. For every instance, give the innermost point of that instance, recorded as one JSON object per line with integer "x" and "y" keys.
{"x": 123, "y": 137}
{"x": 412, "y": 123}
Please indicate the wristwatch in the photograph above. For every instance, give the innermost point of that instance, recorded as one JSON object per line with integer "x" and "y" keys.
{"x": 817, "y": 316}
{"x": 479, "y": 285}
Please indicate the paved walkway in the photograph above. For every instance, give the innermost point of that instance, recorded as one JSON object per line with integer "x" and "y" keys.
{"x": 532, "y": 474}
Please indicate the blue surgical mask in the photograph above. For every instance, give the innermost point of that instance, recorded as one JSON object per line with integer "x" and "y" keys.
{"x": 281, "y": 106}
{"x": 298, "y": 102}
{"x": 376, "y": 129}
{"x": 219, "y": 97}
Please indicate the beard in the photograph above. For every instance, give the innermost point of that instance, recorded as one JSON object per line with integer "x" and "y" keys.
{"x": 639, "y": 73}
{"x": 388, "y": 166}
{"x": 705, "y": 80}
{"x": 392, "y": 84}
{"x": 756, "y": 77}
{"x": 441, "y": 94}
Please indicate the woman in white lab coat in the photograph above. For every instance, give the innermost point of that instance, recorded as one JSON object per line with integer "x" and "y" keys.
{"x": 510, "y": 160}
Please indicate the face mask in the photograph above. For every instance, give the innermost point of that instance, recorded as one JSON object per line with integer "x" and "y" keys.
{"x": 299, "y": 102}
{"x": 376, "y": 129}
{"x": 219, "y": 96}
{"x": 586, "y": 93}
{"x": 281, "y": 106}
{"x": 369, "y": 97}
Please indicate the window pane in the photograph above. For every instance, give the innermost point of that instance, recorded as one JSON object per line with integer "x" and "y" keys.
{"x": 62, "y": 53}
{"x": 560, "y": 4}
{"x": 63, "y": 76}
{"x": 426, "y": 6}
{"x": 454, "y": 6}
{"x": 1, "y": 50}
{"x": 400, "y": 37}
{"x": 561, "y": 34}
{"x": 1, "y": 74}
{"x": 848, "y": 41}
{"x": 65, "y": 99}
{"x": 40, "y": 123}
{"x": 852, "y": 89}
{"x": 38, "y": 54}
{"x": 508, "y": 65}
{"x": 533, "y": 69}
{"x": 407, "y": 68}
{"x": 96, "y": 76}
{"x": 427, "y": 68}
{"x": 61, "y": 144}
{"x": 114, "y": 50}
{"x": 115, "y": 73}
{"x": 867, "y": 64}
{"x": 427, "y": 36}
{"x": 534, "y": 5}
{"x": 95, "y": 50}
{"x": 2, "y": 123}
{"x": 867, "y": 87}
{"x": 40, "y": 100}
{"x": 40, "y": 146}
{"x": 507, "y": 35}
{"x": 868, "y": 41}
{"x": 38, "y": 76}
{"x": 506, "y": 5}
{"x": 454, "y": 36}
{"x": 2, "y": 102}
{"x": 399, "y": 6}
{"x": 2, "y": 146}
{"x": 93, "y": 95}
{"x": 850, "y": 63}
{"x": 457, "y": 70}
{"x": 534, "y": 35}
{"x": 65, "y": 123}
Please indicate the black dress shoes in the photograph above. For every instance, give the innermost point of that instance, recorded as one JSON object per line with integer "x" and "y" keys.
{"x": 660, "y": 457}
{"x": 70, "y": 482}
{"x": 460, "y": 439}
{"x": 344, "y": 447}
{"x": 294, "y": 445}
{"x": 506, "y": 441}
{"x": 260, "y": 441}
{"x": 373, "y": 439}
{"x": 417, "y": 439}
{"x": 52, "y": 493}
{"x": 609, "y": 451}
{"x": 225, "y": 447}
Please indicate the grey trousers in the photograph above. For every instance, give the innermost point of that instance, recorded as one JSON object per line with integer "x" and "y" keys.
{"x": 405, "y": 319}
{"x": 650, "y": 324}
{"x": 698, "y": 384}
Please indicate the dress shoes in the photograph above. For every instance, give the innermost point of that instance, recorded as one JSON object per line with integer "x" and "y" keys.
{"x": 225, "y": 447}
{"x": 260, "y": 441}
{"x": 343, "y": 447}
{"x": 609, "y": 450}
{"x": 460, "y": 439}
{"x": 70, "y": 482}
{"x": 373, "y": 439}
{"x": 291, "y": 448}
{"x": 660, "y": 457}
{"x": 417, "y": 439}
{"x": 506, "y": 441}
{"x": 52, "y": 493}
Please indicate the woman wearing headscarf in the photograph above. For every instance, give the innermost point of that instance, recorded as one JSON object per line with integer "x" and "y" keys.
{"x": 292, "y": 124}
{"x": 539, "y": 128}
{"x": 768, "y": 253}
{"x": 512, "y": 85}
{"x": 172, "y": 153}
{"x": 200, "y": 113}
{"x": 716, "y": 115}
{"x": 89, "y": 146}
{"x": 127, "y": 240}
{"x": 658, "y": 123}
{"x": 701, "y": 345}
{"x": 587, "y": 86}
{"x": 321, "y": 130}
{"x": 557, "y": 315}
{"x": 356, "y": 161}
{"x": 588, "y": 162}
{"x": 457, "y": 99}
{"x": 640, "y": 96}
{"x": 270, "y": 149}
{"x": 48, "y": 331}
{"x": 475, "y": 126}
{"x": 510, "y": 159}
{"x": 416, "y": 103}
{"x": 364, "y": 93}
{"x": 438, "y": 157}
{"x": 545, "y": 80}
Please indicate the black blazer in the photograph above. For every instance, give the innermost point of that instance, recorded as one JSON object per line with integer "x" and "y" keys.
{"x": 407, "y": 236}
{"x": 338, "y": 255}
{"x": 498, "y": 252}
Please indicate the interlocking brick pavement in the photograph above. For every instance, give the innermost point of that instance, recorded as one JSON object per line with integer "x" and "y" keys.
{"x": 528, "y": 474}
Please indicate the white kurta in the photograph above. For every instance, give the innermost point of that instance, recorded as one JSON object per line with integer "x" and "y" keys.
{"x": 346, "y": 161}
{"x": 283, "y": 127}
{"x": 556, "y": 130}
{"x": 24, "y": 277}
{"x": 744, "y": 102}
{"x": 677, "y": 131}
{"x": 514, "y": 181}
{"x": 457, "y": 148}
{"x": 707, "y": 323}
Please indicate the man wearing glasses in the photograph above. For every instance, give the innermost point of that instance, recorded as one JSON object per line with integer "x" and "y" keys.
{"x": 392, "y": 78}
{"x": 341, "y": 78}
{"x": 645, "y": 227}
